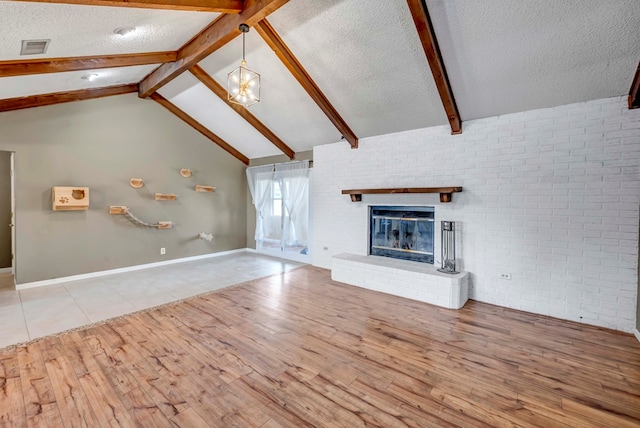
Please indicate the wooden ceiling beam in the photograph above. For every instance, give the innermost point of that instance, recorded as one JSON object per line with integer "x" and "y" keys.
{"x": 297, "y": 70}
{"x": 56, "y": 65}
{"x": 220, "y": 32}
{"x": 221, "y": 92}
{"x": 199, "y": 127}
{"x": 220, "y": 6}
{"x": 634, "y": 92}
{"x": 429, "y": 42}
{"x": 18, "y": 103}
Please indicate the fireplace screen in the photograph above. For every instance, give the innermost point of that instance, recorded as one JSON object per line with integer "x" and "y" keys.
{"x": 402, "y": 232}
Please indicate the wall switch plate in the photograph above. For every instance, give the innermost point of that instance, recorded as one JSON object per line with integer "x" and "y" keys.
{"x": 163, "y": 250}
{"x": 505, "y": 276}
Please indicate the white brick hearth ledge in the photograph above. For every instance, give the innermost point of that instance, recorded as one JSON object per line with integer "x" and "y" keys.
{"x": 413, "y": 280}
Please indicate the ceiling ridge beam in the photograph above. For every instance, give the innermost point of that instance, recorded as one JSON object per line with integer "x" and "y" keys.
{"x": 9, "y": 104}
{"x": 57, "y": 65}
{"x": 199, "y": 127}
{"x": 219, "y": 6}
{"x": 634, "y": 92}
{"x": 297, "y": 70}
{"x": 431, "y": 48}
{"x": 219, "y": 90}
{"x": 219, "y": 33}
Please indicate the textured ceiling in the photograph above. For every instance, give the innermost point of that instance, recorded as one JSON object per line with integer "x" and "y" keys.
{"x": 34, "y": 84}
{"x": 191, "y": 96}
{"x": 88, "y": 30}
{"x": 367, "y": 58}
{"x": 506, "y": 56}
{"x": 285, "y": 107}
{"x": 502, "y": 56}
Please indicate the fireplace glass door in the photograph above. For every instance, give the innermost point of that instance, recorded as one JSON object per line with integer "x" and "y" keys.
{"x": 402, "y": 232}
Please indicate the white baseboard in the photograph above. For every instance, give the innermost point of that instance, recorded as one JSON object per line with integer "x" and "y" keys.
{"x": 636, "y": 333}
{"x": 42, "y": 283}
{"x": 6, "y": 270}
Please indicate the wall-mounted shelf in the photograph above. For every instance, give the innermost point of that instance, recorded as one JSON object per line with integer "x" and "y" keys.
{"x": 445, "y": 192}
{"x": 200, "y": 188}
{"x": 69, "y": 198}
{"x": 165, "y": 197}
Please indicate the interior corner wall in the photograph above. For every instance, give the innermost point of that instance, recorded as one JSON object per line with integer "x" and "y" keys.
{"x": 251, "y": 211}
{"x": 5, "y": 209}
{"x": 549, "y": 196}
{"x": 102, "y": 144}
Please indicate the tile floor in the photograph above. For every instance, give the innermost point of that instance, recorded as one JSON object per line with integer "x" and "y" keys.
{"x": 37, "y": 312}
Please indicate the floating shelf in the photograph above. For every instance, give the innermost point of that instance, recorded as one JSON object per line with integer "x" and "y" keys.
{"x": 165, "y": 196}
{"x": 136, "y": 183}
{"x": 200, "y": 188}
{"x": 445, "y": 192}
{"x": 123, "y": 210}
{"x": 69, "y": 198}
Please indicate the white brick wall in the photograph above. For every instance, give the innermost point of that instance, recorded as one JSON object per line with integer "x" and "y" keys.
{"x": 550, "y": 196}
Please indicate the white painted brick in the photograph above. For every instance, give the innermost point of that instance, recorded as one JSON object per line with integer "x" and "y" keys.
{"x": 553, "y": 203}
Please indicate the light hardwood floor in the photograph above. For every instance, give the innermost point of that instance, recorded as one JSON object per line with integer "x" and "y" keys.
{"x": 298, "y": 350}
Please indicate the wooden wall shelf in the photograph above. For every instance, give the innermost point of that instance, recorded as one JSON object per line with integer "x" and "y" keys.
{"x": 165, "y": 197}
{"x": 69, "y": 198}
{"x": 200, "y": 188}
{"x": 445, "y": 192}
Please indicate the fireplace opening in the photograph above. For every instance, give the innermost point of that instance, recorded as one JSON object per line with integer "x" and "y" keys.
{"x": 402, "y": 232}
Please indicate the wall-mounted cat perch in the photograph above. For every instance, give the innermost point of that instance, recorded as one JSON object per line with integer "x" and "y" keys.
{"x": 200, "y": 188}
{"x": 136, "y": 183}
{"x": 69, "y": 198}
{"x": 123, "y": 210}
{"x": 166, "y": 196}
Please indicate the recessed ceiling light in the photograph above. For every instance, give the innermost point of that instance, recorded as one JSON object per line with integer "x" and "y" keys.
{"x": 90, "y": 77}
{"x": 123, "y": 31}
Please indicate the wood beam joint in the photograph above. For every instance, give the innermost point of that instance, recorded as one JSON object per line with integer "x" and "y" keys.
{"x": 220, "y": 32}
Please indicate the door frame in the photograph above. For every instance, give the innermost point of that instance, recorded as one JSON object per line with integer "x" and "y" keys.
{"x": 13, "y": 216}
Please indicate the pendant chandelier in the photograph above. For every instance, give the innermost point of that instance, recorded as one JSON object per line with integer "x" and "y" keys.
{"x": 243, "y": 84}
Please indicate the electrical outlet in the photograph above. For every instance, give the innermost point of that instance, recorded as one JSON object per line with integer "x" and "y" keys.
{"x": 163, "y": 250}
{"x": 505, "y": 276}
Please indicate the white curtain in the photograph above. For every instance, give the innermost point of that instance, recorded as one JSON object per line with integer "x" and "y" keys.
{"x": 294, "y": 183}
{"x": 260, "y": 180}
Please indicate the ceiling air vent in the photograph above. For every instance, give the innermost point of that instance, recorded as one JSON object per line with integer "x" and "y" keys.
{"x": 34, "y": 47}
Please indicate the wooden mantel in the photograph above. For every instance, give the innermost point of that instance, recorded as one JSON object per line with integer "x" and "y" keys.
{"x": 445, "y": 192}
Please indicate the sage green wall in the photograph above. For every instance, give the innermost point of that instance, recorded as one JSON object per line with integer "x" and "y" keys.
{"x": 251, "y": 211}
{"x": 102, "y": 144}
{"x": 5, "y": 209}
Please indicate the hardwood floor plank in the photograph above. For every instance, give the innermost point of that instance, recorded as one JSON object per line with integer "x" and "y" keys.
{"x": 41, "y": 408}
{"x": 105, "y": 401}
{"x": 12, "y": 411}
{"x": 71, "y": 400}
{"x": 299, "y": 350}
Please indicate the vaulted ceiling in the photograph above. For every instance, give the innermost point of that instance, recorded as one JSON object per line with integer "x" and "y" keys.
{"x": 329, "y": 69}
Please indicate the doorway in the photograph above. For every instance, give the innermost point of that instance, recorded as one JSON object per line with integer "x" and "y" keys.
{"x": 281, "y": 196}
{"x": 7, "y": 214}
